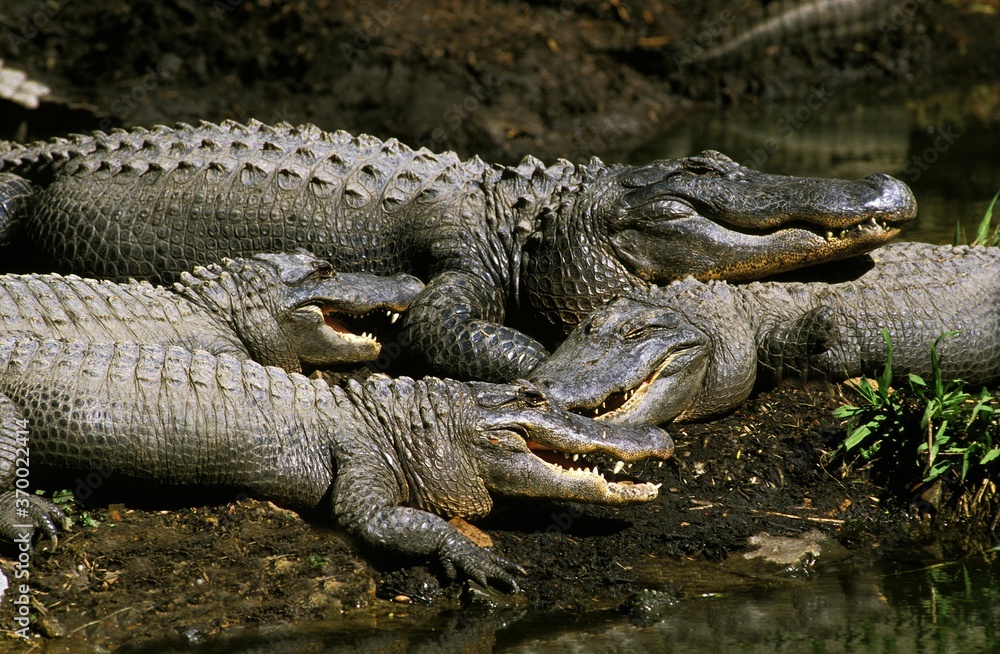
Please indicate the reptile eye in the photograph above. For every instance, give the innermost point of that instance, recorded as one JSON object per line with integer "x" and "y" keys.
{"x": 638, "y": 332}
{"x": 533, "y": 398}
{"x": 324, "y": 270}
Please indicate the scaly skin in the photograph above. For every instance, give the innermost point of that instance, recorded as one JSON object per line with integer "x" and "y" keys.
{"x": 277, "y": 309}
{"x": 694, "y": 349}
{"x": 150, "y": 203}
{"x": 14, "y": 195}
{"x": 391, "y": 455}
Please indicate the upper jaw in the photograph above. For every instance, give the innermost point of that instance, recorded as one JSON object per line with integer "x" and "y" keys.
{"x": 671, "y": 385}
{"x": 748, "y": 200}
{"x": 535, "y": 470}
{"x": 562, "y": 431}
{"x": 738, "y": 223}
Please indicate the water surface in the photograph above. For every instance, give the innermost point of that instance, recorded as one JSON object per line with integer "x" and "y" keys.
{"x": 949, "y": 156}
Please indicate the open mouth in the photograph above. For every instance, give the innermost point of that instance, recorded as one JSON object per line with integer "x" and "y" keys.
{"x": 621, "y": 402}
{"x": 585, "y": 465}
{"x": 365, "y": 325}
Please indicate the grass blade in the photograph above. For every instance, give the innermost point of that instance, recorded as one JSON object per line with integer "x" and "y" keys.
{"x": 983, "y": 232}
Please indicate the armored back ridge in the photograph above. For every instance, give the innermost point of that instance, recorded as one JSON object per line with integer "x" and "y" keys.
{"x": 283, "y": 310}
{"x": 565, "y": 239}
{"x": 389, "y": 455}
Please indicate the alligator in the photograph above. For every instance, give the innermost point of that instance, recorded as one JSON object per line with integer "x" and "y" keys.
{"x": 388, "y": 457}
{"x": 277, "y": 309}
{"x": 815, "y": 21}
{"x": 549, "y": 244}
{"x": 695, "y": 349}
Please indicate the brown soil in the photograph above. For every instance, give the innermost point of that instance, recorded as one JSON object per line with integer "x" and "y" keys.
{"x": 498, "y": 79}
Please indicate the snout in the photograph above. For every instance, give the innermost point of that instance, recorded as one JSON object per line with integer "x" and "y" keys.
{"x": 894, "y": 200}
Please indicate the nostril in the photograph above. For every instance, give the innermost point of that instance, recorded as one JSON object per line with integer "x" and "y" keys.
{"x": 895, "y": 195}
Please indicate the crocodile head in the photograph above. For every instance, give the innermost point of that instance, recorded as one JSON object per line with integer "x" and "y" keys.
{"x": 510, "y": 440}
{"x": 629, "y": 361}
{"x": 682, "y": 351}
{"x": 293, "y": 308}
{"x": 705, "y": 216}
{"x": 527, "y": 447}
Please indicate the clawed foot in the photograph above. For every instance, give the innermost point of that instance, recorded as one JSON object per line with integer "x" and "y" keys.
{"x": 22, "y": 513}
{"x": 479, "y": 564}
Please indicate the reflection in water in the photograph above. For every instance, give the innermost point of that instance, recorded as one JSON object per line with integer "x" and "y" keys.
{"x": 952, "y": 167}
{"x": 939, "y": 608}
{"x": 899, "y": 607}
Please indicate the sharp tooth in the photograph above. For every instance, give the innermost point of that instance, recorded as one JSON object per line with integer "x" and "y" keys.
{"x": 657, "y": 486}
{"x": 843, "y": 233}
{"x": 576, "y": 457}
{"x": 618, "y": 467}
{"x": 596, "y": 471}
{"x": 829, "y": 235}
{"x": 393, "y": 318}
{"x": 660, "y": 464}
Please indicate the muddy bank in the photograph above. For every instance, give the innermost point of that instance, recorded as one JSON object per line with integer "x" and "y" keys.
{"x": 553, "y": 79}
{"x": 181, "y": 571}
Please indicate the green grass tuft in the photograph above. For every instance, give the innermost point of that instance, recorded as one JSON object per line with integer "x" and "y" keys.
{"x": 983, "y": 236}
{"x": 925, "y": 432}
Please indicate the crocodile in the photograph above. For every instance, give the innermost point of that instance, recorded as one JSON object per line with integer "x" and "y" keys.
{"x": 695, "y": 349}
{"x": 389, "y": 458}
{"x": 285, "y": 309}
{"x": 545, "y": 244}
{"x": 812, "y": 21}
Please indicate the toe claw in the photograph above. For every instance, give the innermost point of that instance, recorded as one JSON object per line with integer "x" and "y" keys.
{"x": 481, "y": 564}
{"x": 32, "y": 510}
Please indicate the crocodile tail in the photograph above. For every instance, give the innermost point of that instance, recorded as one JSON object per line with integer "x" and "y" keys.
{"x": 15, "y": 193}
{"x": 21, "y": 513}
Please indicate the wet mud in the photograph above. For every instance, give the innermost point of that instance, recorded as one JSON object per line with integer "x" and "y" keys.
{"x": 148, "y": 570}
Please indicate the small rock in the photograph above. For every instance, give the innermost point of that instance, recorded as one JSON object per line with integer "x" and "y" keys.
{"x": 648, "y": 606}
{"x": 490, "y": 599}
{"x": 793, "y": 554}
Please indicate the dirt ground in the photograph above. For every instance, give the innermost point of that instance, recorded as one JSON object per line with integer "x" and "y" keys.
{"x": 563, "y": 78}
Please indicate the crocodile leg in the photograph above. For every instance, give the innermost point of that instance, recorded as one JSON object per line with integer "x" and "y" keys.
{"x": 21, "y": 512}
{"x": 455, "y": 326}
